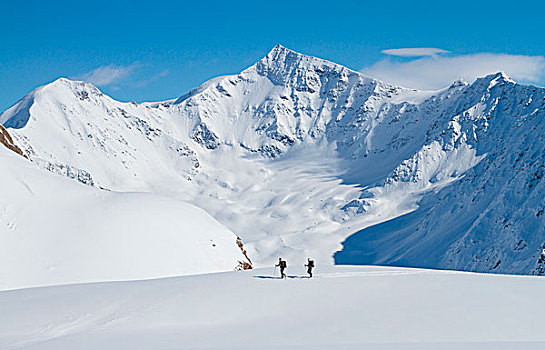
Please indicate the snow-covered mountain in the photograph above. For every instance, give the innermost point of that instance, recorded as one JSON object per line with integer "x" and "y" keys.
{"x": 296, "y": 154}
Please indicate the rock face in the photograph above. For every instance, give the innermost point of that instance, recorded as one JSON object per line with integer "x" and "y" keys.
{"x": 295, "y": 154}
{"x": 7, "y": 141}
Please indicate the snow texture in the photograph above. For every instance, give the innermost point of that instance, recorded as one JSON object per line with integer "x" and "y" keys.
{"x": 343, "y": 307}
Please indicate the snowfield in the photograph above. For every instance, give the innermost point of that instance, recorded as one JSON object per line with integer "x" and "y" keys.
{"x": 57, "y": 231}
{"x": 342, "y": 308}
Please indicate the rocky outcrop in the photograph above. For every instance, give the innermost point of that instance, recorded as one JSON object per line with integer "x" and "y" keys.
{"x": 243, "y": 265}
{"x": 7, "y": 141}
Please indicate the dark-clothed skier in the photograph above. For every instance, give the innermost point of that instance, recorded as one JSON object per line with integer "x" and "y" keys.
{"x": 282, "y": 264}
{"x": 310, "y": 266}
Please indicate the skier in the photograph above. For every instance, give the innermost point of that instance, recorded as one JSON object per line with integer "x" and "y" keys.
{"x": 282, "y": 264}
{"x": 310, "y": 266}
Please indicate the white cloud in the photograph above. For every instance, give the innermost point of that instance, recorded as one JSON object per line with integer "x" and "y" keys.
{"x": 107, "y": 75}
{"x": 435, "y": 72}
{"x": 155, "y": 77}
{"x": 414, "y": 51}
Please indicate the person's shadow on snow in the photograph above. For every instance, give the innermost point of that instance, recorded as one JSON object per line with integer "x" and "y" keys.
{"x": 268, "y": 277}
{"x": 279, "y": 278}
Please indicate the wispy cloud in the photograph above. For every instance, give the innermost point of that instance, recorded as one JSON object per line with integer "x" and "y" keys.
{"x": 155, "y": 77}
{"x": 438, "y": 71}
{"x": 414, "y": 51}
{"x": 110, "y": 74}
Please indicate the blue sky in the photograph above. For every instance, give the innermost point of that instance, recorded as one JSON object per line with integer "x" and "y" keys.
{"x": 153, "y": 50}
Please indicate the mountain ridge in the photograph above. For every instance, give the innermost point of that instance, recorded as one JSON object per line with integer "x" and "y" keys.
{"x": 312, "y": 153}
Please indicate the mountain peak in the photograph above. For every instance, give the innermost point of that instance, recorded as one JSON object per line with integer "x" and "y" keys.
{"x": 277, "y": 49}
{"x": 504, "y": 77}
{"x": 65, "y": 82}
{"x": 498, "y": 77}
{"x": 281, "y": 54}
{"x": 458, "y": 83}
{"x": 17, "y": 116}
{"x": 282, "y": 66}
{"x": 62, "y": 80}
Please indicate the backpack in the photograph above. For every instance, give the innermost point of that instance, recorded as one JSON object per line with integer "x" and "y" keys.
{"x": 283, "y": 264}
{"x": 311, "y": 263}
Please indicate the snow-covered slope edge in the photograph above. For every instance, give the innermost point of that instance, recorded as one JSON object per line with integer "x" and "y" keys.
{"x": 56, "y": 231}
{"x": 344, "y": 307}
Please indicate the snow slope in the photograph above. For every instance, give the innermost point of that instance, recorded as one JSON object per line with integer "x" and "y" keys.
{"x": 296, "y": 154}
{"x": 342, "y": 308}
{"x": 492, "y": 218}
{"x": 57, "y": 231}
